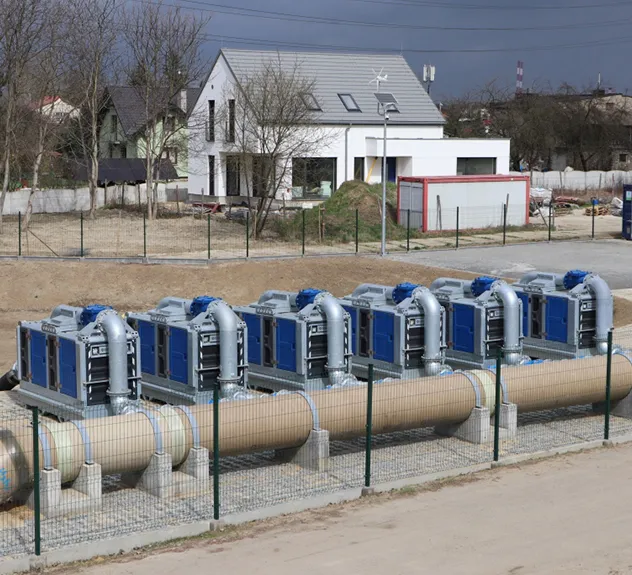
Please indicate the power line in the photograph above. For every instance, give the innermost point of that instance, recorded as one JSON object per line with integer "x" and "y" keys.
{"x": 225, "y": 9}
{"x": 524, "y": 8}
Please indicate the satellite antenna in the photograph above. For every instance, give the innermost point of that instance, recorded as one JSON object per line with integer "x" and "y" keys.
{"x": 379, "y": 78}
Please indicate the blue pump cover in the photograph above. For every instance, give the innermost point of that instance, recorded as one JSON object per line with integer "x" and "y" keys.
{"x": 574, "y": 278}
{"x": 200, "y": 304}
{"x": 306, "y": 296}
{"x": 403, "y": 291}
{"x": 90, "y": 313}
{"x": 482, "y": 284}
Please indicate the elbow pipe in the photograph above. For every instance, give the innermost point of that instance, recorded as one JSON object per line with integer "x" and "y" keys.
{"x": 438, "y": 283}
{"x": 228, "y": 323}
{"x": 116, "y": 335}
{"x": 511, "y": 322}
{"x": 603, "y": 297}
{"x": 10, "y": 379}
{"x": 336, "y": 357}
{"x": 433, "y": 311}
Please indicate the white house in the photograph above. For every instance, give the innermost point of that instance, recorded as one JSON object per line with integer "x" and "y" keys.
{"x": 345, "y": 103}
{"x": 54, "y": 108}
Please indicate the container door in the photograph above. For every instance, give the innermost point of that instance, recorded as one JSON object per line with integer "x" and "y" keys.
{"x": 147, "y": 336}
{"x": 178, "y": 355}
{"x": 38, "y": 358}
{"x": 68, "y": 367}
{"x": 383, "y": 336}
{"x": 286, "y": 344}
{"x": 463, "y": 325}
{"x": 253, "y": 325}
{"x": 557, "y": 319}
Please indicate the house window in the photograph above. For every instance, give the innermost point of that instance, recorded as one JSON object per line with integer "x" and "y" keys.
{"x": 358, "y": 169}
{"x": 311, "y": 103}
{"x": 123, "y": 150}
{"x": 263, "y": 176}
{"x": 170, "y": 124}
{"x": 475, "y": 166}
{"x": 170, "y": 154}
{"x": 211, "y": 175}
{"x": 114, "y": 125}
{"x": 230, "y": 136}
{"x": 313, "y": 177}
{"x": 210, "y": 128}
{"x": 623, "y": 158}
{"x": 232, "y": 176}
{"x": 349, "y": 102}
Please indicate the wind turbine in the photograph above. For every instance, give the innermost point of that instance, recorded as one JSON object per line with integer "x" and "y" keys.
{"x": 379, "y": 78}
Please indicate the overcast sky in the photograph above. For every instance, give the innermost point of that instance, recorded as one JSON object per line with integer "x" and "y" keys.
{"x": 592, "y": 28}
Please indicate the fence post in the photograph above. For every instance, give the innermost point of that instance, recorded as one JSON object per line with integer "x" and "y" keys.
{"x": 81, "y": 246}
{"x": 357, "y": 230}
{"x": 208, "y": 236}
{"x": 369, "y": 429}
{"x": 19, "y": 233}
{"x": 606, "y": 430}
{"x": 408, "y": 231}
{"x": 504, "y": 224}
{"x": 593, "y": 204}
{"x": 248, "y": 235}
{"x": 499, "y": 359}
{"x": 36, "y": 483}
{"x": 303, "y": 232}
{"x": 216, "y": 452}
{"x": 457, "y": 226}
{"x": 144, "y": 236}
{"x": 550, "y": 217}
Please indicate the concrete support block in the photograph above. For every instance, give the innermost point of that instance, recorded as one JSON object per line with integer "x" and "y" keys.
{"x": 623, "y": 407}
{"x": 192, "y": 477}
{"x": 312, "y": 455}
{"x": 82, "y": 496}
{"x": 479, "y": 426}
{"x": 156, "y": 479}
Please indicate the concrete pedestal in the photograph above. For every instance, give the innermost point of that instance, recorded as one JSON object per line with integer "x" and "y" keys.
{"x": 479, "y": 426}
{"x": 192, "y": 477}
{"x": 156, "y": 479}
{"x": 312, "y": 455}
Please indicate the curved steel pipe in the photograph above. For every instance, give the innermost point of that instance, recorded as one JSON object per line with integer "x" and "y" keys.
{"x": 228, "y": 323}
{"x": 511, "y": 321}
{"x": 433, "y": 313}
{"x": 605, "y": 308}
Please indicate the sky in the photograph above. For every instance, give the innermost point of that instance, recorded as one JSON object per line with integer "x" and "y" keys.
{"x": 558, "y": 40}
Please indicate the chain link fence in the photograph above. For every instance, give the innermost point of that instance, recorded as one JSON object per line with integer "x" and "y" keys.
{"x": 69, "y": 483}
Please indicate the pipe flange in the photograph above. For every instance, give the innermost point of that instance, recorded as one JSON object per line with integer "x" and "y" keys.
{"x": 312, "y": 407}
{"x": 475, "y": 384}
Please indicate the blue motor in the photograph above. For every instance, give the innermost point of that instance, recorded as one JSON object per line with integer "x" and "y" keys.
{"x": 482, "y": 284}
{"x": 200, "y": 304}
{"x": 90, "y": 313}
{"x": 403, "y": 291}
{"x": 306, "y": 296}
{"x": 573, "y": 278}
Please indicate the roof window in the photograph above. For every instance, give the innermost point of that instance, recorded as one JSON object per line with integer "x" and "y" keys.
{"x": 349, "y": 102}
{"x": 311, "y": 103}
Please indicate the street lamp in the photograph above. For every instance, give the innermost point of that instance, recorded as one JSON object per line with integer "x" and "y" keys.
{"x": 386, "y": 103}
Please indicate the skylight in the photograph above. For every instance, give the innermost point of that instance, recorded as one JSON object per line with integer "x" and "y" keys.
{"x": 349, "y": 102}
{"x": 311, "y": 103}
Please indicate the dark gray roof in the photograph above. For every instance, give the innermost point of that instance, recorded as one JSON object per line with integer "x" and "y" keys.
{"x": 336, "y": 73}
{"x": 130, "y": 107}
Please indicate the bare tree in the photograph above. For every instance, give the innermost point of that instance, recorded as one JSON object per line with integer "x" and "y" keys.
{"x": 267, "y": 121}
{"x": 164, "y": 48}
{"x": 22, "y": 27}
{"x": 91, "y": 52}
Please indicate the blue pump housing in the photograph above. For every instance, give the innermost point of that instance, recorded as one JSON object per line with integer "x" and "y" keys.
{"x": 306, "y": 296}
{"x": 573, "y": 278}
{"x": 482, "y": 284}
{"x": 90, "y": 313}
{"x": 200, "y": 304}
{"x": 403, "y": 291}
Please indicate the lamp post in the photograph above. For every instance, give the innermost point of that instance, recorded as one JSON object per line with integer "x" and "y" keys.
{"x": 386, "y": 106}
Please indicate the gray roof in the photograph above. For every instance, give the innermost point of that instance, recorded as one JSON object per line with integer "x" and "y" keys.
{"x": 130, "y": 107}
{"x": 339, "y": 73}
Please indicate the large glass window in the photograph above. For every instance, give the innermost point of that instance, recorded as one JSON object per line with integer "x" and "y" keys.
{"x": 475, "y": 166}
{"x": 313, "y": 177}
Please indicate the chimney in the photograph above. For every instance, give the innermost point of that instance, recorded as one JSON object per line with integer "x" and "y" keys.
{"x": 183, "y": 100}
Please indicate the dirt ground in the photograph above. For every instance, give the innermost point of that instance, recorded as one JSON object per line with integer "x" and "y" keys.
{"x": 33, "y": 288}
{"x": 556, "y": 516}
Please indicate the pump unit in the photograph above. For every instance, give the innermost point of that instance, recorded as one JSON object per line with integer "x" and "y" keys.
{"x": 400, "y": 330}
{"x": 297, "y": 341}
{"x": 190, "y": 346}
{"x": 482, "y": 316}
{"x": 79, "y": 363}
{"x": 565, "y": 316}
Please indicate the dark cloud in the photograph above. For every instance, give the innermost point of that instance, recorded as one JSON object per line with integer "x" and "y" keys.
{"x": 456, "y": 72}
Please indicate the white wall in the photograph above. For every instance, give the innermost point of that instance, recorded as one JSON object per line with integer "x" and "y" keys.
{"x": 64, "y": 201}
{"x": 576, "y": 180}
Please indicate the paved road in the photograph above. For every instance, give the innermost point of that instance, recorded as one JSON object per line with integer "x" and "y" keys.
{"x": 567, "y": 515}
{"x": 612, "y": 259}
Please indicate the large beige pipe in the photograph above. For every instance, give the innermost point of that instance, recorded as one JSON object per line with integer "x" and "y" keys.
{"x": 127, "y": 442}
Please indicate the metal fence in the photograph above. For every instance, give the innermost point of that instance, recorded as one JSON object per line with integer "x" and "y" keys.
{"x": 120, "y": 480}
{"x": 120, "y": 234}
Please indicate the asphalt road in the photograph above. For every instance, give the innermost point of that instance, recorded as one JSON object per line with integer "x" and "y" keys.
{"x": 611, "y": 259}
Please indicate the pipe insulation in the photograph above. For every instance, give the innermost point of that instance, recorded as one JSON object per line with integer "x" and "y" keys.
{"x": 116, "y": 334}
{"x": 433, "y": 311}
{"x": 126, "y": 443}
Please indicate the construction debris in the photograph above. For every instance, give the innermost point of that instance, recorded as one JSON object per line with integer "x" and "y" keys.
{"x": 598, "y": 210}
